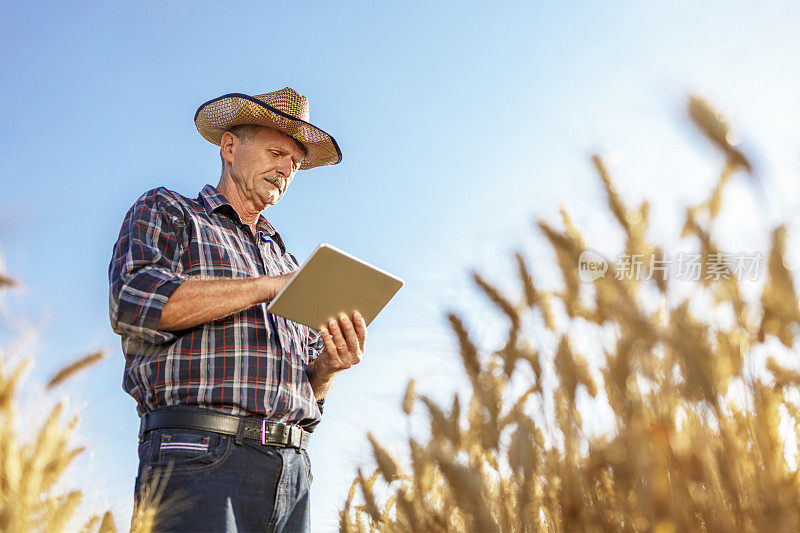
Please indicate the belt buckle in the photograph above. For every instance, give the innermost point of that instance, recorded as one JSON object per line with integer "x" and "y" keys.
{"x": 295, "y": 441}
{"x": 295, "y": 435}
{"x": 264, "y": 432}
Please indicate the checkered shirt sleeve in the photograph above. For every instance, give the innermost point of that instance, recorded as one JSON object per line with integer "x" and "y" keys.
{"x": 145, "y": 268}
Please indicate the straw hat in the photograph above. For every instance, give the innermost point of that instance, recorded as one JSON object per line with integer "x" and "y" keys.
{"x": 284, "y": 110}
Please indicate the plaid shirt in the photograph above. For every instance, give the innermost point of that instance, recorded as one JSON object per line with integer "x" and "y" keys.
{"x": 251, "y": 362}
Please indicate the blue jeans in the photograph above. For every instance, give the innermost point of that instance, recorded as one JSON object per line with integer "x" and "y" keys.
{"x": 215, "y": 483}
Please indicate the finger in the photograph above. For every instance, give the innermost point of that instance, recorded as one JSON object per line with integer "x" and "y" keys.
{"x": 338, "y": 339}
{"x": 334, "y": 362}
{"x": 361, "y": 329}
{"x": 330, "y": 347}
{"x": 350, "y": 335}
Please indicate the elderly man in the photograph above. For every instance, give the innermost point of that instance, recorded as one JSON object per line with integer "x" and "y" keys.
{"x": 227, "y": 393}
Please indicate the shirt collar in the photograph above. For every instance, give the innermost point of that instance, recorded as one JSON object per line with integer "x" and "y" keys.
{"x": 215, "y": 201}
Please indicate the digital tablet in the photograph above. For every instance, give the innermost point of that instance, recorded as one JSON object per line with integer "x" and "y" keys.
{"x": 333, "y": 282}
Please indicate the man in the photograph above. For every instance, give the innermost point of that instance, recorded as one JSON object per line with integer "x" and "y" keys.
{"x": 227, "y": 392}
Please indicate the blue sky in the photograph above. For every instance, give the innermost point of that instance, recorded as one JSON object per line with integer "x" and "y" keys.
{"x": 459, "y": 123}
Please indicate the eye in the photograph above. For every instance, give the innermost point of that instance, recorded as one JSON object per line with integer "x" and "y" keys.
{"x": 275, "y": 153}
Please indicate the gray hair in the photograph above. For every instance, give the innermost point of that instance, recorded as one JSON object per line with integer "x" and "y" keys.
{"x": 245, "y": 134}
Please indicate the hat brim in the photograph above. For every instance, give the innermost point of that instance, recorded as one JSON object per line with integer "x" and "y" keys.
{"x": 219, "y": 115}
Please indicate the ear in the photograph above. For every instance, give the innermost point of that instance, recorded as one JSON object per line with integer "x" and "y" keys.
{"x": 227, "y": 146}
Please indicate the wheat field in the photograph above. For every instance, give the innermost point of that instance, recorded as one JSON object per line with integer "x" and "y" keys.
{"x": 30, "y": 470}
{"x": 694, "y": 442}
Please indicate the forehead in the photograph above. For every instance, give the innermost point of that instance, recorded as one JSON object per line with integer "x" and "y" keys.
{"x": 270, "y": 137}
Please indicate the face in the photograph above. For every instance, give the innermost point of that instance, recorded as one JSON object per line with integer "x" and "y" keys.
{"x": 263, "y": 168}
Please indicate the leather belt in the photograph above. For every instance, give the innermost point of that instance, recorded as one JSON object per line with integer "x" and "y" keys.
{"x": 254, "y": 428}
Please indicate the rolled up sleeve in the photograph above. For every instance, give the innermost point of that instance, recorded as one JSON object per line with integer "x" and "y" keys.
{"x": 145, "y": 268}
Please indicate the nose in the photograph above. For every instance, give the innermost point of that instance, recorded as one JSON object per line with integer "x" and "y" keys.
{"x": 285, "y": 168}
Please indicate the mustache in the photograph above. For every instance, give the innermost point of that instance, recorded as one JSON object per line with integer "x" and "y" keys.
{"x": 276, "y": 181}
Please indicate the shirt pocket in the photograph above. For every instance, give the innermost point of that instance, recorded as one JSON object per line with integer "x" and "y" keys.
{"x": 217, "y": 252}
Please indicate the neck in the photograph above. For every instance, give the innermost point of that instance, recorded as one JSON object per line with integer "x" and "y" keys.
{"x": 243, "y": 207}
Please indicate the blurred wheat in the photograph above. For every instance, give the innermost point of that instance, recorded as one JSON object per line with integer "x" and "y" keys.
{"x": 694, "y": 444}
{"x": 29, "y": 471}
